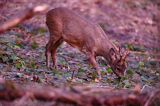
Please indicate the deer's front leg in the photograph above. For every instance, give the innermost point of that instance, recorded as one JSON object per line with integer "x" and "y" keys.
{"x": 93, "y": 62}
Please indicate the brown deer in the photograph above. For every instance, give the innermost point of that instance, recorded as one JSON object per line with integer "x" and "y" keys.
{"x": 89, "y": 38}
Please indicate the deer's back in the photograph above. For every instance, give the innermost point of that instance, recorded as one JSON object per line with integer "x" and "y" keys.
{"x": 75, "y": 30}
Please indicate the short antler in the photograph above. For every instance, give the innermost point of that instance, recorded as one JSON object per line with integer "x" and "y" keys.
{"x": 125, "y": 55}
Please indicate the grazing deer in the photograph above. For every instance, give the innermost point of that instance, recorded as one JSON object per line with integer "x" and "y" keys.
{"x": 89, "y": 38}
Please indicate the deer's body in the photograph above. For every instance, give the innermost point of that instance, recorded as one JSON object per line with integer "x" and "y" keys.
{"x": 65, "y": 25}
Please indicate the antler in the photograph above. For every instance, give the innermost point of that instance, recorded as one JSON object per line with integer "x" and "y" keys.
{"x": 125, "y": 55}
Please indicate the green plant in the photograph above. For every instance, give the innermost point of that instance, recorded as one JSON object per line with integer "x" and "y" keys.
{"x": 20, "y": 64}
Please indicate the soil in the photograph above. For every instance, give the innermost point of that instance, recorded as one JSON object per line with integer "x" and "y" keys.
{"x": 132, "y": 25}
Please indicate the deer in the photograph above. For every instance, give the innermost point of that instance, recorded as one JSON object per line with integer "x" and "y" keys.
{"x": 65, "y": 25}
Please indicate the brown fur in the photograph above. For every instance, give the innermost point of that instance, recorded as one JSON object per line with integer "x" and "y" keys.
{"x": 89, "y": 38}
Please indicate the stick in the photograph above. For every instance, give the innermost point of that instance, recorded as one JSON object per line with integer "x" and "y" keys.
{"x": 29, "y": 13}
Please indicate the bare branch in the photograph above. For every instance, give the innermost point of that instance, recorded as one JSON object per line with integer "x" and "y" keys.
{"x": 27, "y": 14}
{"x": 81, "y": 96}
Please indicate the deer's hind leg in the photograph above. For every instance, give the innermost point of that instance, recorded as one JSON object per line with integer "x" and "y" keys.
{"x": 55, "y": 30}
{"x": 51, "y": 48}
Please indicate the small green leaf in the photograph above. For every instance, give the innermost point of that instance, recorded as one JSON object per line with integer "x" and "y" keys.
{"x": 20, "y": 64}
{"x": 14, "y": 57}
{"x": 141, "y": 64}
{"x": 130, "y": 46}
{"x": 34, "y": 45}
{"x": 130, "y": 72}
{"x": 16, "y": 47}
{"x": 92, "y": 75}
{"x": 109, "y": 70}
{"x": 39, "y": 30}
{"x": 81, "y": 70}
{"x": 33, "y": 64}
{"x": 5, "y": 59}
{"x": 42, "y": 30}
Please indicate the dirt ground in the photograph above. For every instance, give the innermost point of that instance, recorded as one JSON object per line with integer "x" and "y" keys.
{"x": 130, "y": 24}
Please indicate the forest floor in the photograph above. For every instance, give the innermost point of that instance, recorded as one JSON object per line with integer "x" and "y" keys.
{"x": 130, "y": 24}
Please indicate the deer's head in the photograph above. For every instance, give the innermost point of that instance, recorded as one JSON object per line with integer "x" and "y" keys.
{"x": 118, "y": 61}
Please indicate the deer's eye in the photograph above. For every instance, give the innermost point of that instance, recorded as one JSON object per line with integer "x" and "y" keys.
{"x": 118, "y": 67}
{"x": 119, "y": 62}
